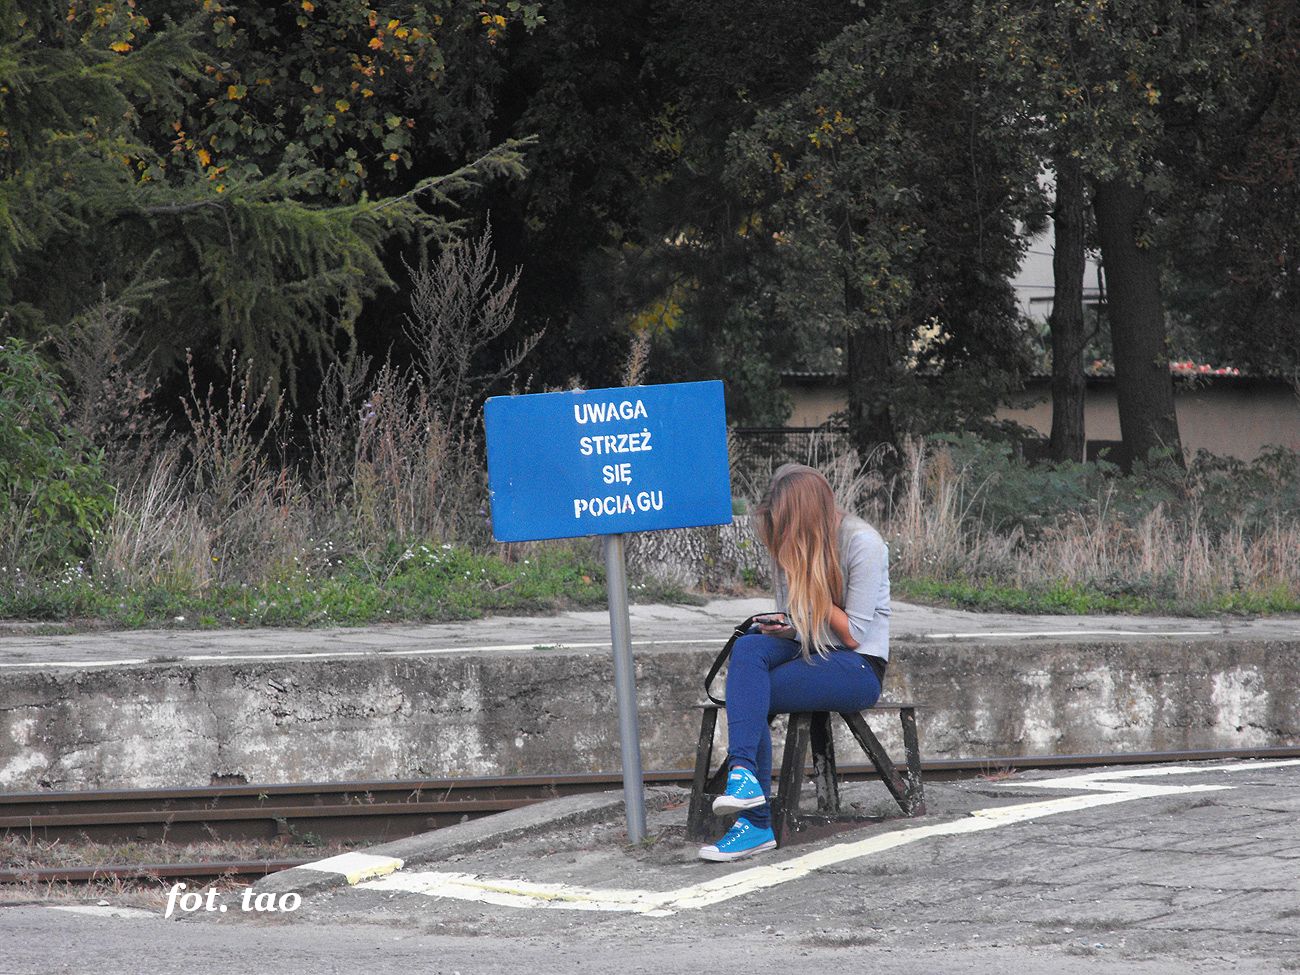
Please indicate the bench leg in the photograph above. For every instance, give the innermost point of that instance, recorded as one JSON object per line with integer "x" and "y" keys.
{"x": 915, "y": 791}
{"x": 785, "y": 809}
{"x": 879, "y": 758}
{"x": 697, "y": 819}
{"x": 823, "y": 759}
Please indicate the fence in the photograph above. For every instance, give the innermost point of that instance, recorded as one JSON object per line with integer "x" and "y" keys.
{"x": 719, "y": 557}
{"x": 757, "y": 451}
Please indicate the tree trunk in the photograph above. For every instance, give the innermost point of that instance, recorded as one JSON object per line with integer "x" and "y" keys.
{"x": 871, "y": 421}
{"x": 868, "y": 356}
{"x": 1145, "y": 389}
{"x": 1066, "y": 322}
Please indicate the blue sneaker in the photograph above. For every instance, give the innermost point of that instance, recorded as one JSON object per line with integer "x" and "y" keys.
{"x": 744, "y": 839}
{"x": 743, "y": 792}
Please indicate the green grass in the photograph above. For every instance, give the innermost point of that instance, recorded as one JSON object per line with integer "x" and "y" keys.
{"x": 1070, "y": 599}
{"x": 436, "y": 584}
{"x": 433, "y": 584}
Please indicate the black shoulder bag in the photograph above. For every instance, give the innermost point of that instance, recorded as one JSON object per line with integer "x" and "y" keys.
{"x": 722, "y": 656}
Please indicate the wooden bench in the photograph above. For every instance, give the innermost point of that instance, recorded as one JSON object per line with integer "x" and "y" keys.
{"x": 805, "y": 729}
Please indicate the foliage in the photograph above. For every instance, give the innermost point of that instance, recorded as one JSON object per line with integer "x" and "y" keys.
{"x": 460, "y": 306}
{"x": 1232, "y": 269}
{"x": 1135, "y": 90}
{"x": 361, "y": 88}
{"x": 1008, "y": 493}
{"x": 891, "y": 184}
{"x": 130, "y": 136}
{"x": 111, "y": 396}
{"x": 627, "y": 223}
{"x": 1085, "y": 600}
{"x": 969, "y": 523}
{"x": 53, "y": 495}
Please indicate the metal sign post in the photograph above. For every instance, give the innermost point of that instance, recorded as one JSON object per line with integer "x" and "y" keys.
{"x": 629, "y": 734}
{"x": 608, "y": 462}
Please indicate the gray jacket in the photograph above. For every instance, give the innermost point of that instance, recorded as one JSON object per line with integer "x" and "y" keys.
{"x": 864, "y": 563}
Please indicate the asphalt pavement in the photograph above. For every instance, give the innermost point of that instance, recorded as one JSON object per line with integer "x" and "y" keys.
{"x": 1170, "y": 869}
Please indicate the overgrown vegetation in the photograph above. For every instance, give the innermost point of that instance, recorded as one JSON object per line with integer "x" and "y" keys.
{"x": 378, "y": 513}
{"x": 970, "y": 524}
{"x": 377, "y": 508}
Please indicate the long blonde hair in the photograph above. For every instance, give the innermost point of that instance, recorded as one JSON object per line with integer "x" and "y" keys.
{"x": 798, "y": 522}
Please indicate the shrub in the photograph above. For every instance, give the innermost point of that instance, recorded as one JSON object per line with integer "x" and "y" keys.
{"x": 53, "y": 493}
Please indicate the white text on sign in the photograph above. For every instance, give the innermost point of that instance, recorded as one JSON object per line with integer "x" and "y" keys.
{"x": 603, "y": 412}
{"x": 617, "y": 473}
{"x": 622, "y": 504}
{"x": 615, "y": 443}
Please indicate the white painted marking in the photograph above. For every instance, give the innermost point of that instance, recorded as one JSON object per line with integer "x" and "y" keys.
{"x": 996, "y": 634}
{"x": 1101, "y": 789}
{"x": 355, "y": 867}
{"x": 80, "y": 663}
{"x": 338, "y": 654}
{"x": 508, "y": 647}
{"x": 97, "y": 911}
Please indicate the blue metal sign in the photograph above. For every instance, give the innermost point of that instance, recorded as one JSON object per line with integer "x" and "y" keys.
{"x": 608, "y": 461}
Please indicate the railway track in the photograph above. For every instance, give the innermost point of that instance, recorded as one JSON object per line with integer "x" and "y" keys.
{"x": 383, "y": 810}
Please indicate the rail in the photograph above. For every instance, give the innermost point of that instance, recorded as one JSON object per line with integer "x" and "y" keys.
{"x": 383, "y": 810}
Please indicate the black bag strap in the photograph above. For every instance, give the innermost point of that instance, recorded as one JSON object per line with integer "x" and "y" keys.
{"x": 722, "y": 656}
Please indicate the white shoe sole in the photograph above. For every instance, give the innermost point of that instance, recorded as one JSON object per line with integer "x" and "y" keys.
{"x": 730, "y": 804}
{"x": 717, "y": 856}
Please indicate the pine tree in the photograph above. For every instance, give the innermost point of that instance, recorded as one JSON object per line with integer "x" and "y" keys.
{"x": 251, "y": 254}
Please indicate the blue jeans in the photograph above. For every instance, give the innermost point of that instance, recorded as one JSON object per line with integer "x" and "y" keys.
{"x": 767, "y": 675}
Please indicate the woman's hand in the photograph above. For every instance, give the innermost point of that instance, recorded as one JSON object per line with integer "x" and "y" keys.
{"x": 778, "y": 628}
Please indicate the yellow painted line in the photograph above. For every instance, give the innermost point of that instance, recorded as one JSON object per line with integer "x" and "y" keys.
{"x": 1100, "y": 789}
{"x": 356, "y": 867}
{"x": 520, "y": 893}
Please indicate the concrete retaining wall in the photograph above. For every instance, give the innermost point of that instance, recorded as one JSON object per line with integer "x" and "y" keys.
{"x": 552, "y": 710}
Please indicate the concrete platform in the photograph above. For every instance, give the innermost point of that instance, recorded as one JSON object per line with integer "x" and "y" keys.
{"x": 24, "y": 645}
{"x": 1154, "y": 871}
{"x": 505, "y": 696}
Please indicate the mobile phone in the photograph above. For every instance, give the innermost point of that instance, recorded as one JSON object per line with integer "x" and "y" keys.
{"x": 777, "y": 619}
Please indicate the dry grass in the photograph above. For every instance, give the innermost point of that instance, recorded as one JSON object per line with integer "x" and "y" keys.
{"x": 391, "y": 456}
{"x": 932, "y": 517}
{"x": 1103, "y": 547}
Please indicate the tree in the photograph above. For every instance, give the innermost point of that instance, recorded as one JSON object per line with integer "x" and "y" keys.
{"x": 892, "y": 183}
{"x": 1068, "y": 437}
{"x": 131, "y": 137}
{"x": 629, "y": 223}
{"x": 1141, "y": 95}
{"x": 1233, "y": 260}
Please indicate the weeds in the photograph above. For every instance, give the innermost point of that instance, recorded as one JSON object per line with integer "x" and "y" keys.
{"x": 967, "y": 525}
{"x": 381, "y": 513}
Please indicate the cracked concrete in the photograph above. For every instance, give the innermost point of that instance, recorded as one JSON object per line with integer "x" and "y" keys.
{"x": 520, "y": 696}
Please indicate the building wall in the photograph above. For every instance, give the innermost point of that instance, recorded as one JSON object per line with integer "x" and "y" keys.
{"x": 1233, "y": 419}
{"x": 814, "y": 405}
{"x": 1237, "y": 420}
